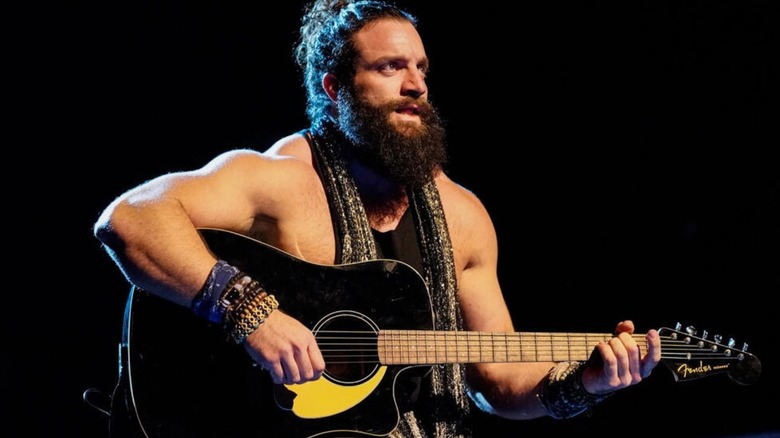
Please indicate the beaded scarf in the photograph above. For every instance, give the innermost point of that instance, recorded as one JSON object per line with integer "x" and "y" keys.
{"x": 448, "y": 405}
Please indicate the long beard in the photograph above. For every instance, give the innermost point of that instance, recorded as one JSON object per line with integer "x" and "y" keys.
{"x": 408, "y": 154}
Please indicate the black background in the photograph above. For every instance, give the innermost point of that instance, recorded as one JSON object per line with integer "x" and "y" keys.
{"x": 624, "y": 149}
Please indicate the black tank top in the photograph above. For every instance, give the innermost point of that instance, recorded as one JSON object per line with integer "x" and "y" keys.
{"x": 400, "y": 243}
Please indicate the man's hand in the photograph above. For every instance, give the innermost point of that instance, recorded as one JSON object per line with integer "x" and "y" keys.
{"x": 622, "y": 363}
{"x": 286, "y": 348}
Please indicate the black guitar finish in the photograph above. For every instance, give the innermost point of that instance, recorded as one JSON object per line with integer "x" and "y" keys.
{"x": 188, "y": 380}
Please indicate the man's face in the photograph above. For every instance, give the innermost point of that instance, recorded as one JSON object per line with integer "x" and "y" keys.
{"x": 386, "y": 112}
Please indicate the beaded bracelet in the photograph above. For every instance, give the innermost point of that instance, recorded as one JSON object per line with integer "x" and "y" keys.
{"x": 562, "y": 393}
{"x": 247, "y": 317}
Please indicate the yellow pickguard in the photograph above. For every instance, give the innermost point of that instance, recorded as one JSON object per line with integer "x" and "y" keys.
{"x": 323, "y": 397}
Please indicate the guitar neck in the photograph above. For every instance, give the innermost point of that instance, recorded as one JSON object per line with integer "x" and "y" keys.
{"x": 420, "y": 347}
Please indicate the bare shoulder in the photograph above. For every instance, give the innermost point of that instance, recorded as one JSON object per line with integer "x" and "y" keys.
{"x": 290, "y": 156}
{"x": 294, "y": 146}
{"x": 460, "y": 203}
{"x": 471, "y": 227}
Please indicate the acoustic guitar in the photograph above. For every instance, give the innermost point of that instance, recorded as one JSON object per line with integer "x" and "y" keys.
{"x": 373, "y": 322}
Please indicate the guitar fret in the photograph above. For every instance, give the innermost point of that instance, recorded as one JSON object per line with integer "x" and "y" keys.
{"x": 443, "y": 335}
{"x": 404, "y": 350}
{"x": 416, "y": 351}
{"x": 492, "y": 350}
{"x": 455, "y": 352}
{"x": 479, "y": 347}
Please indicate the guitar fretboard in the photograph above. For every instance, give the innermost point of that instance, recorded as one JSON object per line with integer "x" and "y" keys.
{"x": 422, "y": 347}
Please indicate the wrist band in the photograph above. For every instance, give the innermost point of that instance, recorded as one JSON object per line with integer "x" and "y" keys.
{"x": 207, "y": 303}
{"x": 562, "y": 393}
{"x": 247, "y": 316}
{"x": 233, "y": 299}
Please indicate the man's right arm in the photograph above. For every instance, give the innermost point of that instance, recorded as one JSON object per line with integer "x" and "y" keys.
{"x": 151, "y": 232}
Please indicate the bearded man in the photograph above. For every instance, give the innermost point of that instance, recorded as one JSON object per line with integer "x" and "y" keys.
{"x": 365, "y": 181}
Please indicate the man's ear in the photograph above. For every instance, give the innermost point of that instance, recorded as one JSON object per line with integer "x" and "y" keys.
{"x": 330, "y": 84}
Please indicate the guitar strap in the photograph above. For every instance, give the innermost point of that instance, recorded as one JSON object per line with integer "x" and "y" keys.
{"x": 447, "y": 404}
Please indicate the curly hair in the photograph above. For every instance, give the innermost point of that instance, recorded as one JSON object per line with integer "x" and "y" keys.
{"x": 325, "y": 44}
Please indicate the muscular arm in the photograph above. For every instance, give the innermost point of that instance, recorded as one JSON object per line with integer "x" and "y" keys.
{"x": 151, "y": 233}
{"x": 510, "y": 389}
{"x": 505, "y": 389}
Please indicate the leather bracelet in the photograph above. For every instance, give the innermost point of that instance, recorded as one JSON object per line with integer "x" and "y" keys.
{"x": 563, "y": 394}
{"x": 206, "y": 303}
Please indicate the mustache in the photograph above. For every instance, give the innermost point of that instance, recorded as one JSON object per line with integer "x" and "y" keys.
{"x": 423, "y": 106}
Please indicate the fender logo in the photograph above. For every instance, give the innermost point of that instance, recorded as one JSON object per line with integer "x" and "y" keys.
{"x": 685, "y": 370}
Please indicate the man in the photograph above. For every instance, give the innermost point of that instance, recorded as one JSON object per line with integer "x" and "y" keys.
{"x": 365, "y": 181}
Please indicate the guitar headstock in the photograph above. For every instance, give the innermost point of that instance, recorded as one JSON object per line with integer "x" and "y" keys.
{"x": 693, "y": 356}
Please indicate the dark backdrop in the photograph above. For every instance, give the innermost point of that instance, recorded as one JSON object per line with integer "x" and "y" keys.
{"x": 624, "y": 151}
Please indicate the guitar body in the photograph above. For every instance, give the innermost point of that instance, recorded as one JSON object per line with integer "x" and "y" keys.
{"x": 187, "y": 379}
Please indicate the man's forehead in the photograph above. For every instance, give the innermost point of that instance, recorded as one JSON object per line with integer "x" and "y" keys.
{"x": 389, "y": 38}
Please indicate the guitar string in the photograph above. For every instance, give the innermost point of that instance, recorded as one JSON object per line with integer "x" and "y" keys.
{"x": 408, "y": 346}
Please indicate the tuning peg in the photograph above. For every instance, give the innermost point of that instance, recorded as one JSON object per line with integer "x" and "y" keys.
{"x": 678, "y": 326}
{"x": 718, "y": 338}
{"x": 744, "y": 346}
{"x": 701, "y": 342}
{"x": 691, "y": 330}
{"x": 730, "y": 345}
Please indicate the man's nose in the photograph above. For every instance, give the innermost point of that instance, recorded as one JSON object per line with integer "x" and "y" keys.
{"x": 414, "y": 84}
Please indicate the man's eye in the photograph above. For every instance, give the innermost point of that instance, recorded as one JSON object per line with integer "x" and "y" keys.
{"x": 390, "y": 66}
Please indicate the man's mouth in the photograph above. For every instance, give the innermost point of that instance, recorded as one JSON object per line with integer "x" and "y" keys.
{"x": 411, "y": 110}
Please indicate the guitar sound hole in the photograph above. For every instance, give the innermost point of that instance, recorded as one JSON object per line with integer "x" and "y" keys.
{"x": 348, "y": 341}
